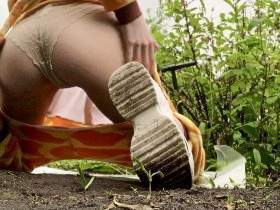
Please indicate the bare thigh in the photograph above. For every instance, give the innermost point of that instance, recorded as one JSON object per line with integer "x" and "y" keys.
{"x": 25, "y": 93}
{"x": 86, "y": 55}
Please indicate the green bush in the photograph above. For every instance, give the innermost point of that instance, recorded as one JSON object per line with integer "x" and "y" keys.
{"x": 233, "y": 93}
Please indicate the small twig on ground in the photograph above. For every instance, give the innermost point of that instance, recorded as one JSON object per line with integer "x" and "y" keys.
{"x": 115, "y": 203}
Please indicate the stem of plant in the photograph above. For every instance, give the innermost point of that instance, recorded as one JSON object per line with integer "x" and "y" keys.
{"x": 149, "y": 176}
{"x": 150, "y": 185}
{"x": 83, "y": 180}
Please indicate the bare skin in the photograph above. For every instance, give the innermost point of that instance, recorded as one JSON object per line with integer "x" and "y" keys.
{"x": 87, "y": 63}
{"x": 25, "y": 94}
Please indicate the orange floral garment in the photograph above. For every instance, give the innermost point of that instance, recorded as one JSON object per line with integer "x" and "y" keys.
{"x": 28, "y": 146}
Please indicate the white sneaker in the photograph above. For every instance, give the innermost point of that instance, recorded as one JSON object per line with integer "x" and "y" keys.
{"x": 158, "y": 141}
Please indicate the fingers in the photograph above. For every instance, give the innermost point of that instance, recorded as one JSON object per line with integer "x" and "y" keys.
{"x": 142, "y": 53}
{"x": 151, "y": 57}
{"x": 146, "y": 56}
{"x": 129, "y": 52}
{"x": 137, "y": 53}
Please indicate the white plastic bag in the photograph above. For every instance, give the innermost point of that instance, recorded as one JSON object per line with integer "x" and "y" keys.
{"x": 231, "y": 170}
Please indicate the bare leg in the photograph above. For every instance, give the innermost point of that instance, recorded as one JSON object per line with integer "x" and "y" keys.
{"x": 25, "y": 93}
{"x": 86, "y": 55}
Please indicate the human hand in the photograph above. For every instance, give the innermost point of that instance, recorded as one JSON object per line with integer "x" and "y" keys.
{"x": 140, "y": 46}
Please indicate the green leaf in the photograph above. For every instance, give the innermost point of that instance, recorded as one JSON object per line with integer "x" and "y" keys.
{"x": 230, "y": 3}
{"x": 237, "y": 136}
{"x": 251, "y": 129}
{"x": 277, "y": 79}
{"x": 257, "y": 156}
{"x": 82, "y": 176}
{"x": 85, "y": 184}
{"x": 252, "y": 42}
{"x": 254, "y": 23}
{"x": 158, "y": 173}
{"x": 271, "y": 100}
{"x": 202, "y": 127}
{"x": 202, "y": 5}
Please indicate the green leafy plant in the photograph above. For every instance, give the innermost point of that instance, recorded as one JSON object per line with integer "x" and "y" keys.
{"x": 232, "y": 93}
{"x": 85, "y": 183}
{"x": 92, "y": 166}
{"x": 149, "y": 176}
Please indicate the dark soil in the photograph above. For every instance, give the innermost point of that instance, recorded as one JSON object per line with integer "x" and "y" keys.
{"x": 27, "y": 191}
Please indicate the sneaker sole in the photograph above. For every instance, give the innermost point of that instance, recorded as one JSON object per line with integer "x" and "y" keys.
{"x": 157, "y": 143}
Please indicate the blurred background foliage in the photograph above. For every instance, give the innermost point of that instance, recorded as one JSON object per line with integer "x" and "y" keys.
{"x": 232, "y": 93}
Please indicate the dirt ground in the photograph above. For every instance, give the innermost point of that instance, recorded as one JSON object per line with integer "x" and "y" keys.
{"x": 29, "y": 191}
